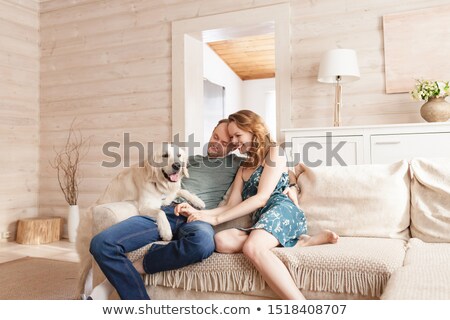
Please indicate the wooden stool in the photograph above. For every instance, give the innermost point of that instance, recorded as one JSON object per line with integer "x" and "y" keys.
{"x": 38, "y": 230}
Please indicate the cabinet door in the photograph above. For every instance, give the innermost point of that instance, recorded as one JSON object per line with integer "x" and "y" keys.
{"x": 395, "y": 147}
{"x": 326, "y": 151}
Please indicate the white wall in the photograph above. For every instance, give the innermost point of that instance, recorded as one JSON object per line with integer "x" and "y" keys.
{"x": 256, "y": 95}
{"x": 259, "y": 96}
{"x": 218, "y": 72}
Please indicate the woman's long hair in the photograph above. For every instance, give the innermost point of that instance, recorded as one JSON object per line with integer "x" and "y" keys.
{"x": 249, "y": 121}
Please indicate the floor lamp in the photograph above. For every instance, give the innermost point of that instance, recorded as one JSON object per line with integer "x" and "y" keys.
{"x": 338, "y": 66}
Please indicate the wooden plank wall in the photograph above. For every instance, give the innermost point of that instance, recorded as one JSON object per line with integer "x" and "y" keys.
{"x": 321, "y": 25}
{"x": 403, "y": 65}
{"x": 19, "y": 111}
{"x": 108, "y": 63}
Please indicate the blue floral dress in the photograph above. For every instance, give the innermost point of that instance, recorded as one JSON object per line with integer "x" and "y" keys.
{"x": 280, "y": 216}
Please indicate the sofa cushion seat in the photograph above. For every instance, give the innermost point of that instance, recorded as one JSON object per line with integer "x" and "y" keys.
{"x": 426, "y": 254}
{"x": 355, "y": 265}
{"x": 416, "y": 282}
{"x": 425, "y": 275}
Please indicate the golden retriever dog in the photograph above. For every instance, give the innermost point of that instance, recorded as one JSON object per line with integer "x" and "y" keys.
{"x": 151, "y": 184}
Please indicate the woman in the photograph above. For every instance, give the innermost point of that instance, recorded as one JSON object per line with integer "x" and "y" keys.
{"x": 258, "y": 187}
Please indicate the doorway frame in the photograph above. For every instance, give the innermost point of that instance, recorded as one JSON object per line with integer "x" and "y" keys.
{"x": 187, "y": 65}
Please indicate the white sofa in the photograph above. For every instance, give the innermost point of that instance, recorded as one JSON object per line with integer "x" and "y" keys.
{"x": 394, "y": 227}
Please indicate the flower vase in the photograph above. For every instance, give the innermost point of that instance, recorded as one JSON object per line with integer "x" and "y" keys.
{"x": 73, "y": 220}
{"x": 435, "y": 110}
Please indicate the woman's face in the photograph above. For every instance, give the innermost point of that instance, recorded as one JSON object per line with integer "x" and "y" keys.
{"x": 240, "y": 138}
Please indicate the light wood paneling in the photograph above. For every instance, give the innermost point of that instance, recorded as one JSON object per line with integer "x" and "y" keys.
{"x": 19, "y": 111}
{"x": 412, "y": 40}
{"x": 249, "y": 57}
{"x": 323, "y": 25}
{"x": 108, "y": 63}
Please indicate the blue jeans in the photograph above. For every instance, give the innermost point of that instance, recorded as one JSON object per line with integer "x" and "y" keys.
{"x": 192, "y": 242}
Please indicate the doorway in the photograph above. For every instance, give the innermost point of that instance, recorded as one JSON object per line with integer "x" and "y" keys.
{"x": 187, "y": 65}
{"x": 213, "y": 107}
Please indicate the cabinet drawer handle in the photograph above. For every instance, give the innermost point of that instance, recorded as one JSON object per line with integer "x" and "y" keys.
{"x": 387, "y": 142}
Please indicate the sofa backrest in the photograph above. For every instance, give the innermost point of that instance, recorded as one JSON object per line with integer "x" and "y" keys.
{"x": 358, "y": 200}
{"x": 430, "y": 199}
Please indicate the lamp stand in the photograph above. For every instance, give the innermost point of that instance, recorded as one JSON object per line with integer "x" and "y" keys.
{"x": 338, "y": 102}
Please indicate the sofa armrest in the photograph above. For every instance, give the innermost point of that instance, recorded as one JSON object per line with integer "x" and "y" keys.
{"x": 108, "y": 214}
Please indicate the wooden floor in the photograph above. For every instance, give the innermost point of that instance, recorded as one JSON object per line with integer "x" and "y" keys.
{"x": 60, "y": 250}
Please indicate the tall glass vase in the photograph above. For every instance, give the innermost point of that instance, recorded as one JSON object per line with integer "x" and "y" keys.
{"x": 73, "y": 219}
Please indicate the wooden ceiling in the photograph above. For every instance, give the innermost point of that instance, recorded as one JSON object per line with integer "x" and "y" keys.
{"x": 249, "y": 57}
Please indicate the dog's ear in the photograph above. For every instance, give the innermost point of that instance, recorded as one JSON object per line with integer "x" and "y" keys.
{"x": 150, "y": 170}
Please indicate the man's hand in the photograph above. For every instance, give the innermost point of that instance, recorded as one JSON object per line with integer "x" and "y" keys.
{"x": 184, "y": 209}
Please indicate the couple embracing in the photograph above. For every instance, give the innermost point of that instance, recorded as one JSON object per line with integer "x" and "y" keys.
{"x": 260, "y": 187}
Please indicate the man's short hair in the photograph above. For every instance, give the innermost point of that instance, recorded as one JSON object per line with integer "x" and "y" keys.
{"x": 222, "y": 121}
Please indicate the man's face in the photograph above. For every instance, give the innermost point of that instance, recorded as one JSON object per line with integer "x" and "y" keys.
{"x": 219, "y": 145}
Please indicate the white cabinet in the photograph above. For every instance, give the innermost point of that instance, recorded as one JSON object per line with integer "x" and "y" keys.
{"x": 367, "y": 144}
{"x": 331, "y": 150}
{"x": 387, "y": 148}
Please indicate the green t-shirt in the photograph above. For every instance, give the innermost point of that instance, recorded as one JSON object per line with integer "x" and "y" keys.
{"x": 210, "y": 178}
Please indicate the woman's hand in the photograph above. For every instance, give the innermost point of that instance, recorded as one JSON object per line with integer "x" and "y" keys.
{"x": 200, "y": 216}
{"x": 292, "y": 193}
{"x": 184, "y": 209}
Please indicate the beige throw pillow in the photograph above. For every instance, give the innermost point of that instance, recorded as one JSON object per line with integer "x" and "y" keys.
{"x": 359, "y": 200}
{"x": 430, "y": 200}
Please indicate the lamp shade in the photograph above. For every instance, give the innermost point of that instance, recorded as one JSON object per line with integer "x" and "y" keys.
{"x": 338, "y": 62}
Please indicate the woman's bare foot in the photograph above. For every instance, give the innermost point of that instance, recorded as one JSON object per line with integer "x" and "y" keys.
{"x": 139, "y": 265}
{"x": 323, "y": 237}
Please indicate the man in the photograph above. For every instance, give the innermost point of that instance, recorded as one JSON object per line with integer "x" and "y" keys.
{"x": 210, "y": 178}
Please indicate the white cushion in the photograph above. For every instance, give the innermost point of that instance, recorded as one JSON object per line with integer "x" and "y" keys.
{"x": 354, "y": 265}
{"x": 425, "y": 275}
{"x": 359, "y": 200}
{"x": 430, "y": 200}
{"x": 426, "y": 254}
{"x": 416, "y": 282}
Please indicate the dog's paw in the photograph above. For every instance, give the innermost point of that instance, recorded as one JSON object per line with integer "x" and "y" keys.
{"x": 199, "y": 204}
{"x": 166, "y": 234}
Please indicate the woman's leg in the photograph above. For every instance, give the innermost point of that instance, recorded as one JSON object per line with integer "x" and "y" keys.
{"x": 257, "y": 250}
{"x": 323, "y": 237}
{"x": 230, "y": 240}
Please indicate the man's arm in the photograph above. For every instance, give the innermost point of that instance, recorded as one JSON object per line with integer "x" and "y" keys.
{"x": 234, "y": 198}
{"x": 275, "y": 166}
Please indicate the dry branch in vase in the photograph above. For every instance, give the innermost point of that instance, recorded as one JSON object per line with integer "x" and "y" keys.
{"x": 67, "y": 162}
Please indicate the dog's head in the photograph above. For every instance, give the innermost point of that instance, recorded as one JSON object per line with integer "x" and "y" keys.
{"x": 168, "y": 162}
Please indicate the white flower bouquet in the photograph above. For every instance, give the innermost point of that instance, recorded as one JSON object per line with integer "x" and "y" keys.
{"x": 426, "y": 89}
